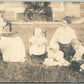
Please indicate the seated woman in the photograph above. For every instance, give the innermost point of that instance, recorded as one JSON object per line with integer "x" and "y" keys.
{"x": 56, "y": 56}
{"x": 63, "y": 36}
{"x": 37, "y": 44}
{"x": 12, "y": 49}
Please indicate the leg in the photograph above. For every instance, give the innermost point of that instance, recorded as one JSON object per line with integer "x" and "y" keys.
{"x": 71, "y": 52}
{"x": 65, "y": 50}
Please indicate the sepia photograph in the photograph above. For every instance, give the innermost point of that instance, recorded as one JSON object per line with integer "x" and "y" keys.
{"x": 41, "y": 42}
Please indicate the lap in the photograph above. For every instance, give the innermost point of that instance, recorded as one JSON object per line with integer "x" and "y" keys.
{"x": 68, "y": 51}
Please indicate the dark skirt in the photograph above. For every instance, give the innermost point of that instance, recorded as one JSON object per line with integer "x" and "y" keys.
{"x": 40, "y": 57}
{"x": 68, "y": 51}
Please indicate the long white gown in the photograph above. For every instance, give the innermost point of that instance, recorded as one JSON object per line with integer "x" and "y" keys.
{"x": 12, "y": 49}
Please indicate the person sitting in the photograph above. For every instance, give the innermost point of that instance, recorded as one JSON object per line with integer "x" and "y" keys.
{"x": 12, "y": 49}
{"x": 79, "y": 49}
{"x": 56, "y": 57}
{"x": 63, "y": 36}
{"x": 37, "y": 44}
{"x": 78, "y": 57}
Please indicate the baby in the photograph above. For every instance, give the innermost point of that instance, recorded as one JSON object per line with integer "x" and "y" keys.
{"x": 79, "y": 50}
{"x": 57, "y": 56}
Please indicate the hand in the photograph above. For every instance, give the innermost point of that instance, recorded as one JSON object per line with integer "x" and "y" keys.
{"x": 74, "y": 58}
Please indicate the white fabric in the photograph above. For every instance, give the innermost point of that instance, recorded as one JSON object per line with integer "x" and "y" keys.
{"x": 52, "y": 62}
{"x": 38, "y": 45}
{"x": 55, "y": 46}
{"x": 49, "y": 62}
{"x": 79, "y": 53}
{"x": 13, "y": 49}
{"x": 63, "y": 35}
{"x": 59, "y": 57}
{"x": 55, "y": 57}
{"x": 82, "y": 67}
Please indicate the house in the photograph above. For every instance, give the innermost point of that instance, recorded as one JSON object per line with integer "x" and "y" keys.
{"x": 61, "y": 9}
{"x": 15, "y": 10}
{"x": 11, "y": 10}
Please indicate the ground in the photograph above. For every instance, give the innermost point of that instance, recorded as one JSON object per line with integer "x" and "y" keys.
{"x": 33, "y": 70}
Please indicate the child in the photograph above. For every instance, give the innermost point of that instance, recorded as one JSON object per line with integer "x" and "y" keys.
{"x": 57, "y": 56}
{"x": 37, "y": 44}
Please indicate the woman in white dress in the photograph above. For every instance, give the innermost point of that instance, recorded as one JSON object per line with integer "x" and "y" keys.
{"x": 12, "y": 49}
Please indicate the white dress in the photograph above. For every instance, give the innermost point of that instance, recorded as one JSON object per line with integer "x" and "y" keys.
{"x": 55, "y": 58}
{"x": 12, "y": 49}
{"x": 38, "y": 45}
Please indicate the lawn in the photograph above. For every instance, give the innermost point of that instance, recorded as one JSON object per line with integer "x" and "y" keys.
{"x": 33, "y": 70}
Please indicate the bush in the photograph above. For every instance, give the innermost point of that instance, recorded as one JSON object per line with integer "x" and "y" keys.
{"x": 38, "y": 12}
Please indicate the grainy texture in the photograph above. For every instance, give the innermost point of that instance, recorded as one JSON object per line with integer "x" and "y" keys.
{"x": 33, "y": 70}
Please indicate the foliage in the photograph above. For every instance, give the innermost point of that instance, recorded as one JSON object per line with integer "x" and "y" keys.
{"x": 37, "y": 11}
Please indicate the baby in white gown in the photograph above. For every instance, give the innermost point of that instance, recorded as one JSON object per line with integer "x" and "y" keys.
{"x": 56, "y": 56}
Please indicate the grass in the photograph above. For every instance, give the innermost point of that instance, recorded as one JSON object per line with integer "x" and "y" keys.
{"x": 32, "y": 70}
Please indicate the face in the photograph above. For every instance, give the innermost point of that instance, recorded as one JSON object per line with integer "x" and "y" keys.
{"x": 37, "y": 32}
{"x": 64, "y": 24}
{"x": 64, "y": 21}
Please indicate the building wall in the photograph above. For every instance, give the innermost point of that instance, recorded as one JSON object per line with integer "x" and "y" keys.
{"x": 82, "y": 9}
{"x": 59, "y": 9}
{"x": 12, "y": 8}
{"x": 72, "y": 9}
{"x": 2, "y": 6}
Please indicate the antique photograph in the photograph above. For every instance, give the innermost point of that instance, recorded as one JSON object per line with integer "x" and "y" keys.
{"x": 41, "y": 42}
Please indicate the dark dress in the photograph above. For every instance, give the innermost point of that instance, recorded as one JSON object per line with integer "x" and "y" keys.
{"x": 68, "y": 51}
